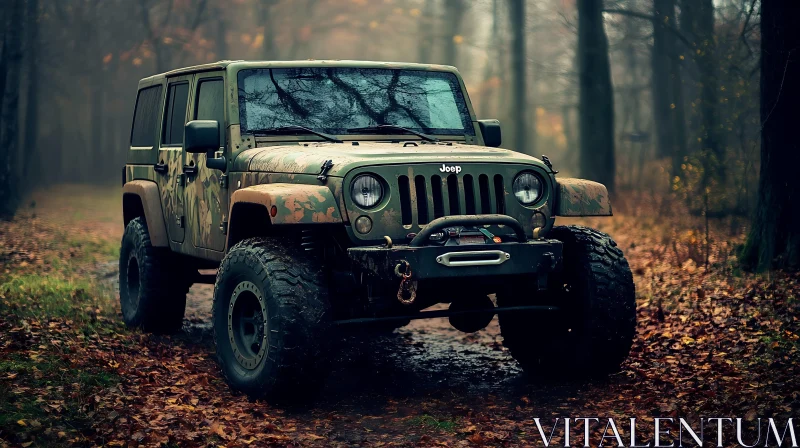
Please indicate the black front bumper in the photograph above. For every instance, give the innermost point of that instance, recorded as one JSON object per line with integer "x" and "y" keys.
{"x": 472, "y": 260}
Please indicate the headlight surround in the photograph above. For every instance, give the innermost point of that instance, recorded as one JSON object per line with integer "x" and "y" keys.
{"x": 527, "y": 187}
{"x": 366, "y": 191}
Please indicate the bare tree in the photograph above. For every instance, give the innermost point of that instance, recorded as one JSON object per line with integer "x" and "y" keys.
{"x": 774, "y": 240}
{"x": 596, "y": 96}
{"x": 518, "y": 65}
{"x": 9, "y": 133}
{"x": 31, "y": 155}
{"x": 661, "y": 63}
{"x": 454, "y": 16}
{"x": 698, "y": 18}
{"x": 424, "y": 30}
{"x": 265, "y": 10}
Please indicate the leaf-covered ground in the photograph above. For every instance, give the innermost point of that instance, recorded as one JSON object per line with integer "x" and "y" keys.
{"x": 712, "y": 341}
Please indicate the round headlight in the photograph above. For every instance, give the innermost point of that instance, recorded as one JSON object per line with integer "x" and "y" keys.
{"x": 366, "y": 191}
{"x": 527, "y": 188}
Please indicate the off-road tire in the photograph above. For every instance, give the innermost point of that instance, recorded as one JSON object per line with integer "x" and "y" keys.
{"x": 153, "y": 282}
{"x": 594, "y": 329}
{"x": 295, "y": 295}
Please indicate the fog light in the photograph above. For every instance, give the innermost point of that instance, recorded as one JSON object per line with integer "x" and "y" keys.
{"x": 363, "y": 224}
{"x": 538, "y": 220}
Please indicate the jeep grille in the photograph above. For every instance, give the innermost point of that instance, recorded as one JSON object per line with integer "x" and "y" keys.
{"x": 437, "y": 196}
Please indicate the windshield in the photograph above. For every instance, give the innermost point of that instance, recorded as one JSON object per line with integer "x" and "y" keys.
{"x": 335, "y": 100}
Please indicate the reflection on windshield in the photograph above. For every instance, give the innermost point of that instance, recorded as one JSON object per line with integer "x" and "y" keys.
{"x": 333, "y": 100}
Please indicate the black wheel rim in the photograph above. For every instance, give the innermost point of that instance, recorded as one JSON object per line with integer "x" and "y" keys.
{"x": 247, "y": 317}
{"x": 132, "y": 282}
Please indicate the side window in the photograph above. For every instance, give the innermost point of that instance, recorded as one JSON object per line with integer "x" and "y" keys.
{"x": 145, "y": 116}
{"x": 175, "y": 113}
{"x": 210, "y": 104}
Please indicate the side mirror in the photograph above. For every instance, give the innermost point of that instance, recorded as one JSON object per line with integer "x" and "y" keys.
{"x": 491, "y": 132}
{"x": 202, "y": 136}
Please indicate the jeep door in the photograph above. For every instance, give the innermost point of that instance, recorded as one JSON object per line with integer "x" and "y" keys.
{"x": 205, "y": 197}
{"x": 170, "y": 155}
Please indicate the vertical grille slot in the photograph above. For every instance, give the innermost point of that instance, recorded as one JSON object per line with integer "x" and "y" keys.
{"x": 438, "y": 201}
{"x": 405, "y": 199}
{"x": 469, "y": 195}
{"x": 422, "y": 199}
{"x": 486, "y": 201}
{"x": 452, "y": 195}
{"x": 499, "y": 194}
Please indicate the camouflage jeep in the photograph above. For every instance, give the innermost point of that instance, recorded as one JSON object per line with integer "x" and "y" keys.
{"x": 334, "y": 195}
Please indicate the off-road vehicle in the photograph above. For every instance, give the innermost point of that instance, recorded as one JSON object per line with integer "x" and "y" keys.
{"x": 341, "y": 194}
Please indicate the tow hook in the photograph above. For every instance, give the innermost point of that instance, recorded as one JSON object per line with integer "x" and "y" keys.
{"x": 407, "y": 292}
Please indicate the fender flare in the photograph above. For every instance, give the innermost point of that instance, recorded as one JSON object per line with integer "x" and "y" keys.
{"x": 294, "y": 203}
{"x": 147, "y": 192}
{"x": 581, "y": 197}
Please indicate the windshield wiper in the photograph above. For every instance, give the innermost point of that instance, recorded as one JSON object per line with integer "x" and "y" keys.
{"x": 296, "y": 130}
{"x": 394, "y": 127}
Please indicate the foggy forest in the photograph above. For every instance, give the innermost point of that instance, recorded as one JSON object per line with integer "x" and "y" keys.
{"x": 683, "y": 109}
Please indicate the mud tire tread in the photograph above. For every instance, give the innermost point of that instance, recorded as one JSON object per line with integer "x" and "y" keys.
{"x": 163, "y": 282}
{"x": 298, "y": 313}
{"x": 604, "y": 316}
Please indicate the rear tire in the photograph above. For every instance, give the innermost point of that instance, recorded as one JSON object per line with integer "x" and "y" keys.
{"x": 271, "y": 317}
{"x": 153, "y": 282}
{"x": 595, "y": 328}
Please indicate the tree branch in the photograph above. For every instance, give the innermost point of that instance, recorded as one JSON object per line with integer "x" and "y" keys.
{"x": 744, "y": 28}
{"x": 639, "y": 15}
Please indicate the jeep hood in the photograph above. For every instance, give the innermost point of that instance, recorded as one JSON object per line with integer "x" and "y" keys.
{"x": 302, "y": 159}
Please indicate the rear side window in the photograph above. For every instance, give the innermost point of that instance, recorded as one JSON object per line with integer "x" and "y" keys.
{"x": 145, "y": 116}
{"x": 210, "y": 104}
{"x": 175, "y": 116}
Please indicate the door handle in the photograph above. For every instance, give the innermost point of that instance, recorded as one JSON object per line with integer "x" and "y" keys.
{"x": 160, "y": 167}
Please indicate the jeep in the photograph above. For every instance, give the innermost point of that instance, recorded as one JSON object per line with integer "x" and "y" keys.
{"x": 345, "y": 197}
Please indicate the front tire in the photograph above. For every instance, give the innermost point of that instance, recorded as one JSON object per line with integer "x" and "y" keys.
{"x": 152, "y": 282}
{"x": 597, "y": 322}
{"x": 271, "y": 316}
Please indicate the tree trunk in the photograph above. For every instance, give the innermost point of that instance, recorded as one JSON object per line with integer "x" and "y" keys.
{"x": 678, "y": 116}
{"x": 596, "y": 96}
{"x": 270, "y": 51}
{"x": 519, "y": 108}
{"x": 454, "y": 14}
{"x": 31, "y": 153}
{"x": 9, "y": 142}
{"x": 487, "y": 94}
{"x": 661, "y": 60}
{"x": 424, "y": 30}
{"x": 774, "y": 240}
{"x": 222, "y": 32}
{"x": 697, "y": 20}
{"x": 712, "y": 145}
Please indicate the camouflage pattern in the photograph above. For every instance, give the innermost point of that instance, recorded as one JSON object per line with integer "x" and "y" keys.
{"x": 579, "y": 197}
{"x": 206, "y": 205}
{"x": 170, "y": 185}
{"x": 282, "y": 171}
{"x": 294, "y": 204}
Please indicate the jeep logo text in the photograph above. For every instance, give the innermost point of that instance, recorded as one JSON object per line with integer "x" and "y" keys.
{"x": 450, "y": 169}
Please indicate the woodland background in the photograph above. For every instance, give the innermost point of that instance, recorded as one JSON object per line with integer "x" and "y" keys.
{"x": 656, "y": 96}
{"x": 684, "y": 108}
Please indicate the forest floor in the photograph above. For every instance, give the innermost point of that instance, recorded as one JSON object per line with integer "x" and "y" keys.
{"x": 711, "y": 342}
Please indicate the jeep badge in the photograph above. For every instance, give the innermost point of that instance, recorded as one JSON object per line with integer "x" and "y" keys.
{"x": 450, "y": 169}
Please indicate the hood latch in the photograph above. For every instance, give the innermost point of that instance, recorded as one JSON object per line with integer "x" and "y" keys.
{"x": 323, "y": 170}
{"x": 549, "y": 164}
